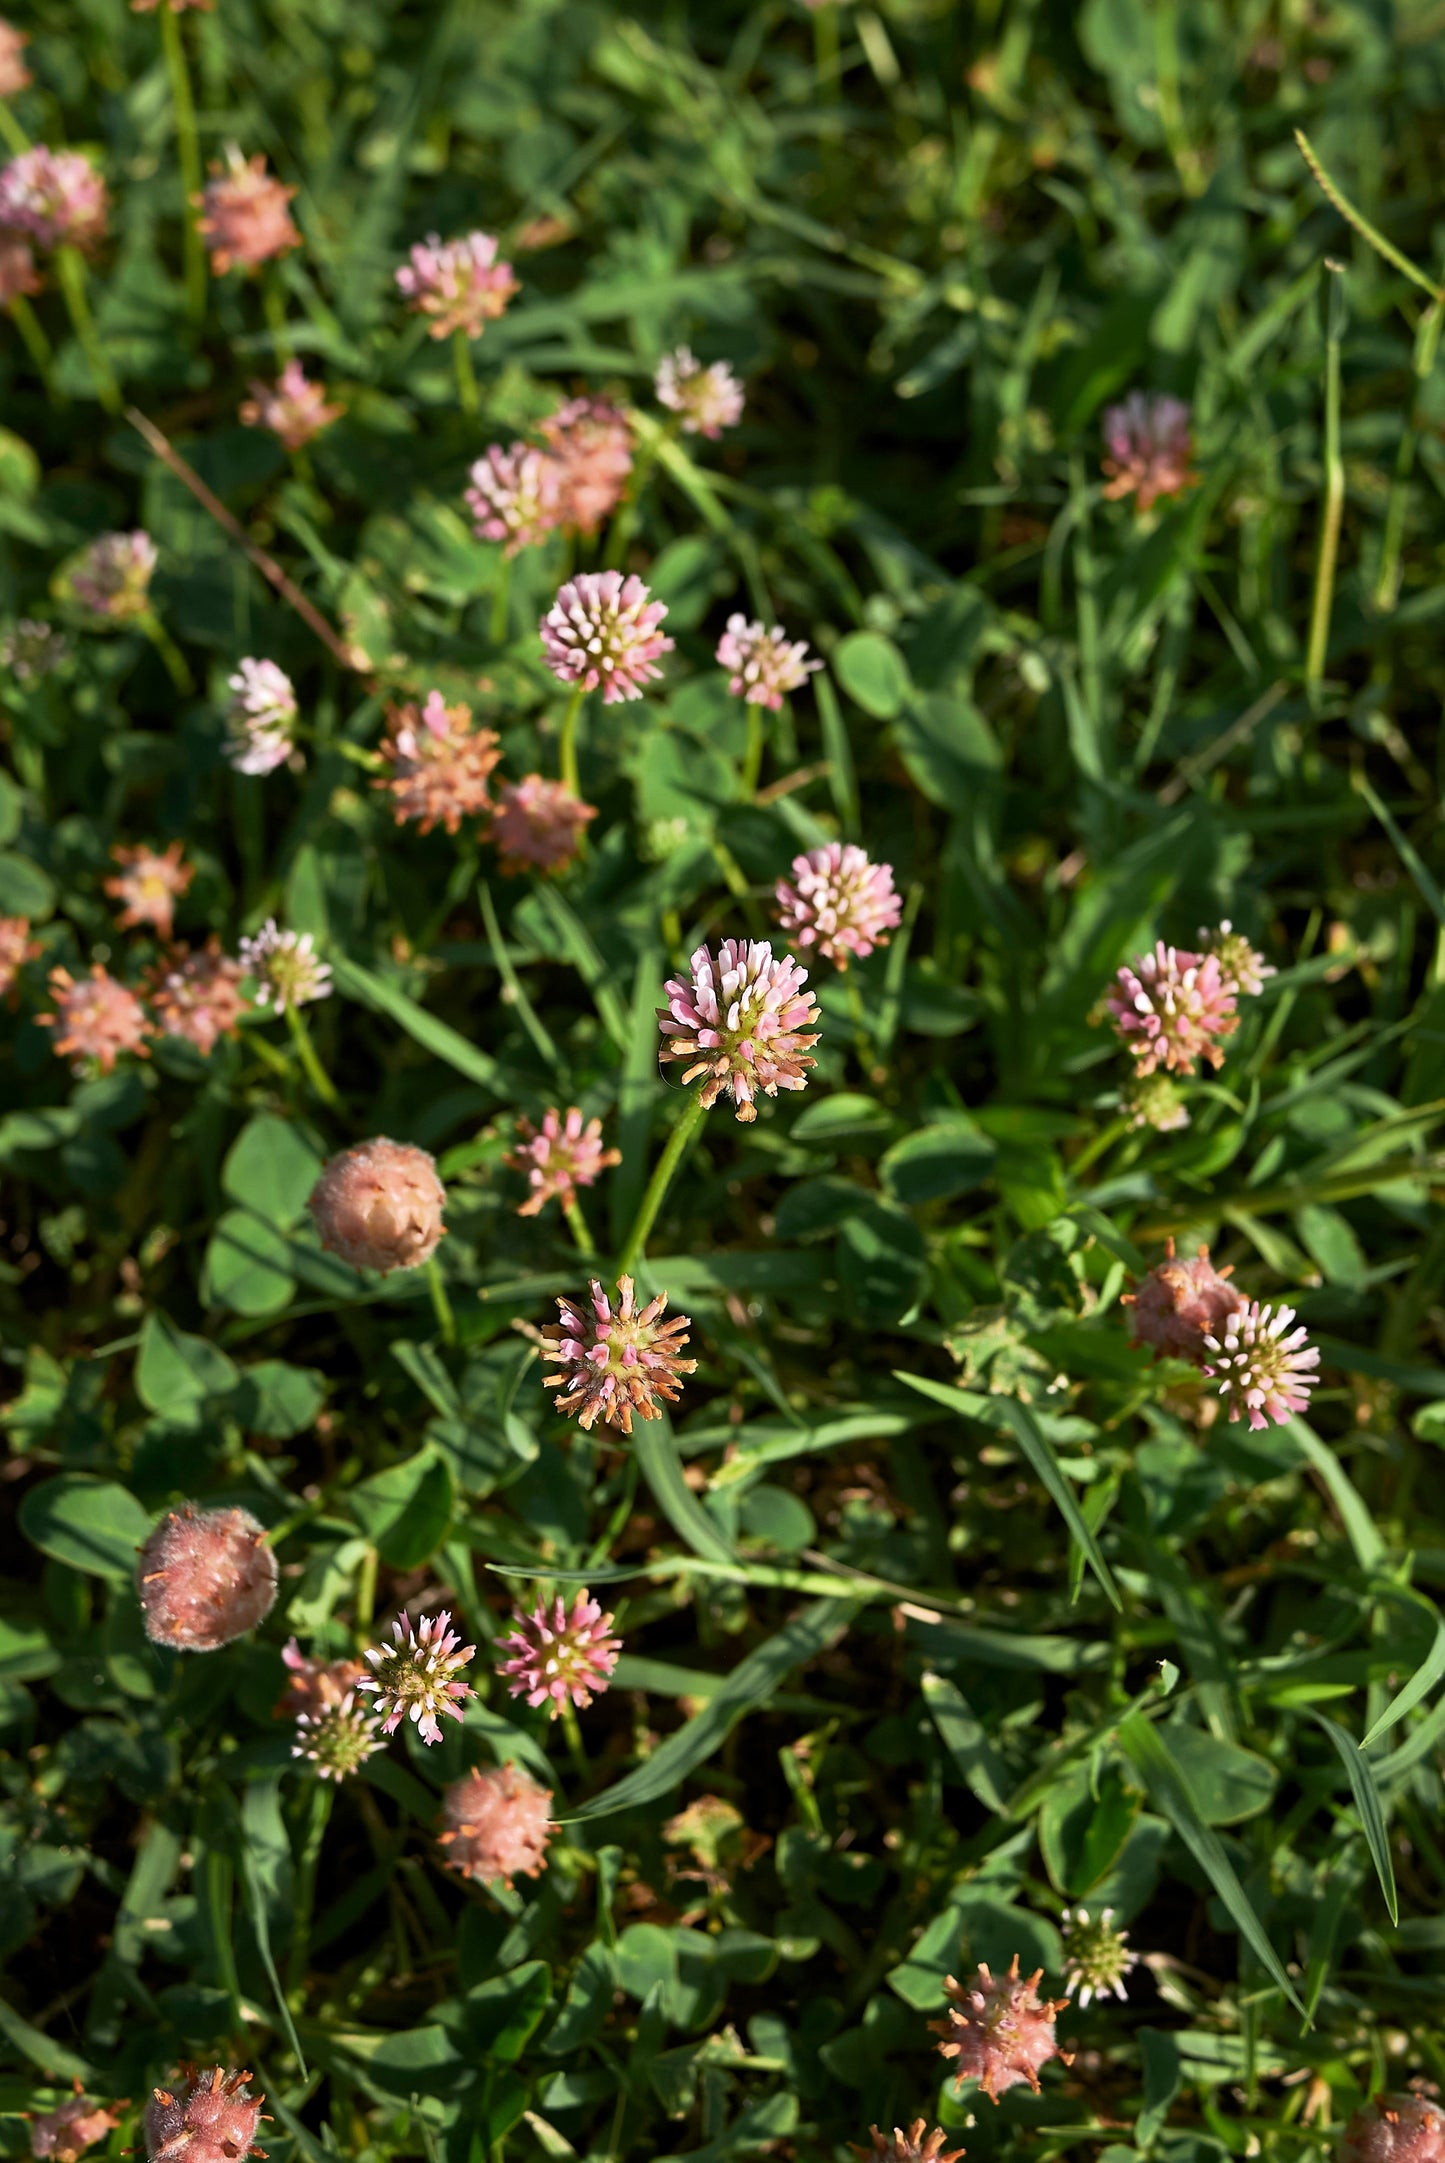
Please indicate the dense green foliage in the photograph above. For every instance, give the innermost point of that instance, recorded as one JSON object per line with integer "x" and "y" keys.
{"x": 963, "y": 1607}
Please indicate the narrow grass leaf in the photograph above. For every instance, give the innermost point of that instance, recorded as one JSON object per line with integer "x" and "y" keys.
{"x": 436, "y": 1037}
{"x": 963, "y": 1738}
{"x": 1419, "y": 1686}
{"x": 656, "y": 1453}
{"x": 1368, "y": 1803}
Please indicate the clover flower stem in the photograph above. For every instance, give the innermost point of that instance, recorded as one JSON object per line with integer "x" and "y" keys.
{"x": 737, "y": 885}
{"x": 501, "y": 601}
{"x": 273, "y": 301}
{"x": 364, "y": 1604}
{"x": 825, "y": 45}
{"x": 572, "y": 1729}
{"x": 188, "y": 154}
{"x": 172, "y": 657}
{"x": 1427, "y": 341}
{"x": 37, "y": 345}
{"x": 1334, "y": 503}
{"x": 467, "y": 393}
{"x": 315, "y": 1818}
{"x": 441, "y": 1305}
{"x": 71, "y": 265}
{"x": 315, "y": 1072}
{"x": 624, "y": 525}
{"x": 861, "y": 1034}
{"x": 577, "y": 1225}
{"x": 12, "y": 131}
{"x": 677, "y": 1145}
{"x": 1095, "y": 1148}
{"x": 567, "y": 750}
{"x": 753, "y": 755}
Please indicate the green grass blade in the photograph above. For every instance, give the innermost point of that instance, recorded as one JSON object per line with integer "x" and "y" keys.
{"x": 1368, "y": 1803}
{"x": 436, "y": 1037}
{"x": 661, "y": 1467}
{"x": 1421, "y": 1683}
{"x": 966, "y": 1743}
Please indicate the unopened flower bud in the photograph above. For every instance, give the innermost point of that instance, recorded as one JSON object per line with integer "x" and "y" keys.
{"x": 205, "y": 1577}
{"x": 379, "y": 1206}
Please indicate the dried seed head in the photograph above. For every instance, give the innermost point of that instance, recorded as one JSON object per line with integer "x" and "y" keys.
{"x": 416, "y": 1677}
{"x": 1179, "y": 1303}
{"x": 293, "y": 408}
{"x": 998, "y": 2030}
{"x": 558, "y": 1157}
{"x": 743, "y": 1021}
{"x": 496, "y": 1825}
{"x": 616, "y": 1365}
{"x": 537, "y": 825}
{"x": 917, "y": 2145}
{"x": 440, "y": 762}
{"x": 379, "y": 1206}
{"x": 1395, "y": 2129}
{"x": 559, "y": 1657}
{"x": 205, "y": 1577}
{"x": 209, "y": 2117}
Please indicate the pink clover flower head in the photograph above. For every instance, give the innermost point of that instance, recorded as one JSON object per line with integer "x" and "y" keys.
{"x": 1265, "y": 1369}
{"x": 285, "y": 967}
{"x": 34, "y": 648}
{"x": 1170, "y": 1007}
{"x": 708, "y": 399}
{"x": 95, "y": 1018}
{"x": 1155, "y": 1100}
{"x": 313, "y": 1685}
{"x": 111, "y": 577}
{"x": 764, "y": 665}
{"x": 1395, "y": 2129}
{"x": 441, "y": 763}
{"x": 603, "y": 629}
{"x": 515, "y": 496}
{"x": 18, "y": 276}
{"x": 418, "y": 1676}
{"x": 1097, "y": 1957}
{"x": 496, "y": 1825}
{"x": 210, "y": 2118}
{"x": 998, "y": 2030}
{"x": 64, "y": 2134}
{"x": 205, "y": 1577}
{"x": 14, "y": 75}
{"x": 16, "y": 948}
{"x": 293, "y": 408}
{"x": 379, "y": 1206}
{"x": 537, "y": 825}
{"x": 197, "y": 997}
{"x": 339, "y": 1737}
{"x": 1182, "y": 1303}
{"x": 742, "y": 1020}
{"x": 557, "y": 1657}
{"x": 458, "y": 283}
{"x": 1149, "y": 450}
{"x": 558, "y": 1157}
{"x": 261, "y": 718}
{"x": 244, "y": 216}
{"x": 839, "y": 903}
{"x": 55, "y": 198}
{"x": 591, "y": 443}
{"x": 149, "y": 884}
{"x": 1242, "y": 967}
{"x": 615, "y": 1364}
{"x": 917, "y": 2145}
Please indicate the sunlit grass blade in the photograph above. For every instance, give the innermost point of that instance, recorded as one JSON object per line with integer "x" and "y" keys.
{"x": 1368, "y": 1803}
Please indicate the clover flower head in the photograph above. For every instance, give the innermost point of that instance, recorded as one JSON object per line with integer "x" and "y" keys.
{"x": 18, "y": 276}
{"x": 177, "y": 7}
{"x": 1170, "y": 1008}
{"x": 95, "y": 1017}
{"x": 285, "y": 966}
{"x": 742, "y": 1020}
{"x": 205, "y": 1577}
{"x": 764, "y": 665}
{"x": 261, "y": 718}
{"x": 293, "y": 408}
{"x": 1149, "y": 450}
{"x": 197, "y": 997}
{"x": 708, "y": 399}
{"x": 496, "y": 1825}
{"x": 1241, "y": 966}
{"x": 210, "y": 2117}
{"x": 1395, "y": 2129}
{"x": 1155, "y": 1100}
{"x": 379, "y": 1205}
{"x": 313, "y": 1685}
{"x": 34, "y": 648}
{"x": 998, "y": 2030}
{"x": 441, "y": 762}
{"x": 16, "y": 948}
{"x": 559, "y": 1657}
{"x": 338, "y": 1738}
{"x": 603, "y": 629}
{"x": 244, "y": 216}
{"x": 917, "y": 2145}
{"x": 591, "y": 443}
{"x": 838, "y": 902}
{"x": 515, "y": 496}
{"x": 616, "y": 1365}
{"x": 64, "y": 2134}
{"x": 112, "y": 576}
{"x": 1265, "y": 1369}
{"x": 1096, "y": 1955}
{"x": 14, "y": 75}
{"x": 558, "y": 1157}
{"x": 1181, "y": 1303}
{"x": 419, "y": 1675}
{"x": 149, "y": 884}
{"x": 458, "y": 283}
{"x": 55, "y": 198}
{"x": 537, "y": 825}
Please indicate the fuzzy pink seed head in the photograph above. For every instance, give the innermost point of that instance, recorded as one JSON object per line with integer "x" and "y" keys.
{"x": 1172, "y": 1007}
{"x": 209, "y": 2117}
{"x": 244, "y": 216}
{"x": 559, "y": 1657}
{"x": 459, "y": 284}
{"x": 63, "y": 2135}
{"x": 617, "y": 1363}
{"x": 558, "y": 1157}
{"x": 1149, "y": 451}
{"x": 496, "y": 1825}
{"x": 418, "y": 1675}
{"x": 112, "y": 576}
{"x": 743, "y": 1021}
{"x": 148, "y": 885}
{"x": 591, "y": 443}
{"x": 515, "y": 496}
{"x": 839, "y": 903}
{"x": 1265, "y": 1369}
{"x": 763, "y": 666}
{"x": 205, "y": 1577}
{"x": 1395, "y": 2129}
{"x": 55, "y": 198}
{"x": 917, "y": 2145}
{"x": 602, "y": 629}
{"x": 537, "y": 825}
{"x": 379, "y": 1206}
{"x": 14, "y": 75}
{"x": 293, "y": 408}
{"x": 1180, "y": 1303}
{"x": 441, "y": 763}
{"x": 95, "y": 1018}
{"x": 16, "y": 949}
{"x": 1241, "y": 965}
{"x": 998, "y": 2030}
{"x": 261, "y": 718}
{"x": 18, "y": 276}
{"x": 708, "y": 400}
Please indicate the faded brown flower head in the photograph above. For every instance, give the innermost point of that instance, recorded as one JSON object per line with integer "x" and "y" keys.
{"x": 1395, "y": 2129}
{"x": 537, "y": 825}
{"x": 293, "y": 407}
{"x": 95, "y": 1017}
{"x": 14, "y": 75}
{"x": 244, "y": 215}
{"x": 149, "y": 884}
{"x": 205, "y": 1577}
{"x": 197, "y": 996}
{"x": 592, "y": 444}
{"x": 1180, "y": 1303}
{"x": 64, "y": 2134}
{"x": 496, "y": 1825}
{"x": 379, "y": 1206}
{"x": 917, "y": 2145}
{"x": 16, "y": 948}
{"x": 558, "y": 1157}
{"x": 440, "y": 764}
{"x": 209, "y": 2117}
{"x": 314, "y": 1686}
{"x": 998, "y": 2030}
